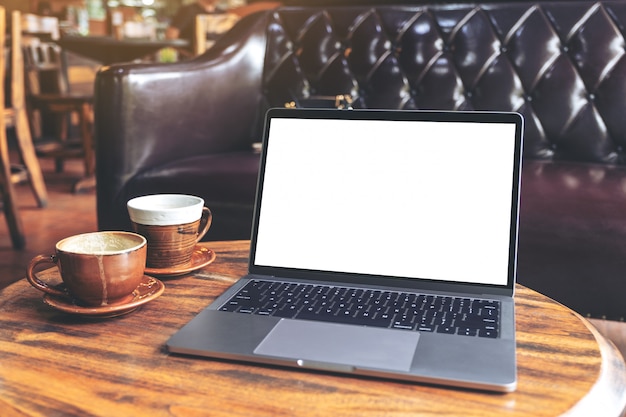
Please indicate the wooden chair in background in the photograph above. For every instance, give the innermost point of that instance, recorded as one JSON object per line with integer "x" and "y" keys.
{"x": 7, "y": 191}
{"x": 48, "y": 93}
{"x": 15, "y": 114}
{"x": 208, "y": 27}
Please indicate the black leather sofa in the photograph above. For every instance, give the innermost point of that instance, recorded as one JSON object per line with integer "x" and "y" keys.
{"x": 190, "y": 127}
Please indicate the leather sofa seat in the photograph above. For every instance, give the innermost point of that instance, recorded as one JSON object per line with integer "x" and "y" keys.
{"x": 572, "y": 242}
{"x": 228, "y": 186}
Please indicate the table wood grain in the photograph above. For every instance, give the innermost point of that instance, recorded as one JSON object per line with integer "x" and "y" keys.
{"x": 54, "y": 364}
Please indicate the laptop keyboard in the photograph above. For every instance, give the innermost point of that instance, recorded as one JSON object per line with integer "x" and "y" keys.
{"x": 401, "y": 310}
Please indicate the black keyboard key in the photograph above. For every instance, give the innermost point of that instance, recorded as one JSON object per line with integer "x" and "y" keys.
{"x": 467, "y": 331}
{"x": 424, "y": 328}
{"x": 488, "y": 333}
{"x": 402, "y": 325}
{"x": 446, "y": 329}
{"x": 230, "y": 306}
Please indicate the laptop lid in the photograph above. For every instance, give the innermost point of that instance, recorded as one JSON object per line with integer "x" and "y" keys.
{"x": 419, "y": 199}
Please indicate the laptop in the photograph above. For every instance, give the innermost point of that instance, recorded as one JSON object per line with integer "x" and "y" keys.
{"x": 384, "y": 244}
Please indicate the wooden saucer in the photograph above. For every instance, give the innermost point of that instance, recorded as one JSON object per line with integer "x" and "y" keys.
{"x": 149, "y": 289}
{"x": 201, "y": 257}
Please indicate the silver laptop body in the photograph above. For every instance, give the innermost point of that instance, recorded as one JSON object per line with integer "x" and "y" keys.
{"x": 392, "y": 204}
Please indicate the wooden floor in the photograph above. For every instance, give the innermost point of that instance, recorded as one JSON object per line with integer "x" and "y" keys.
{"x": 66, "y": 214}
{"x": 69, "y": 214}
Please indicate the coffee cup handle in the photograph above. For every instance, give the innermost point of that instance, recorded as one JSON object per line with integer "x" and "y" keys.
{"x": 35, "y": 281}
{"x": 205, "y": 223}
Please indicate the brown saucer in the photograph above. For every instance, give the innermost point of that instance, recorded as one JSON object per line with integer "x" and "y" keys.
{"x": 149, "y": 289}
{"x": 201, "y": 257}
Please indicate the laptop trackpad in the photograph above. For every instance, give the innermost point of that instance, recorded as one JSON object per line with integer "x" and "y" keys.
{"x": 330, "y": 343}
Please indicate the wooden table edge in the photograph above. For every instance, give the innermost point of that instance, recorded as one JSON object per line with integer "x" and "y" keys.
{"x": 610, "y": 387}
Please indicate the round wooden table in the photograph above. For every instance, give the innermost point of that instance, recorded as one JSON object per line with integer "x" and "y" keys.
{"x": 57, "y": 364}
{"x": 109, "y": 50}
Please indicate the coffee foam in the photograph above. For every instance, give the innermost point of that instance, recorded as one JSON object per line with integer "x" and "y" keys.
{"x": 101, "y": 243}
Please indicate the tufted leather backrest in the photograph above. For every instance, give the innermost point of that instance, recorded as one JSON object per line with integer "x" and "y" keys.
{"x": 560, "y": 64}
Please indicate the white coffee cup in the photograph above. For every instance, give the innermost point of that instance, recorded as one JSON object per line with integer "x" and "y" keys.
{"x": 172, "y": 224}
{"x": 165, "y": 209}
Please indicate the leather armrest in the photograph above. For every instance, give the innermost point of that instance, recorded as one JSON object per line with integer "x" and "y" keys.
{"x": 150, "y": 114}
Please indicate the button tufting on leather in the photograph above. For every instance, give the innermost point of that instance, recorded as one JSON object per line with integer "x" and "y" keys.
{"x": 442, "y": 53}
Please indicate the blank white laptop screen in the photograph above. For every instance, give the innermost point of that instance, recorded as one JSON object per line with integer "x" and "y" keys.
{"x": 413, "y": 199}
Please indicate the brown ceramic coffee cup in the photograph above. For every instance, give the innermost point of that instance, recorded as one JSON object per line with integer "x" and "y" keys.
{"x": 98, "y": 269}
{"x": 172, "y": 224}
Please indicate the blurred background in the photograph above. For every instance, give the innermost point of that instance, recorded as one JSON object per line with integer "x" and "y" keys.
{"x": 145, "y": 18}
